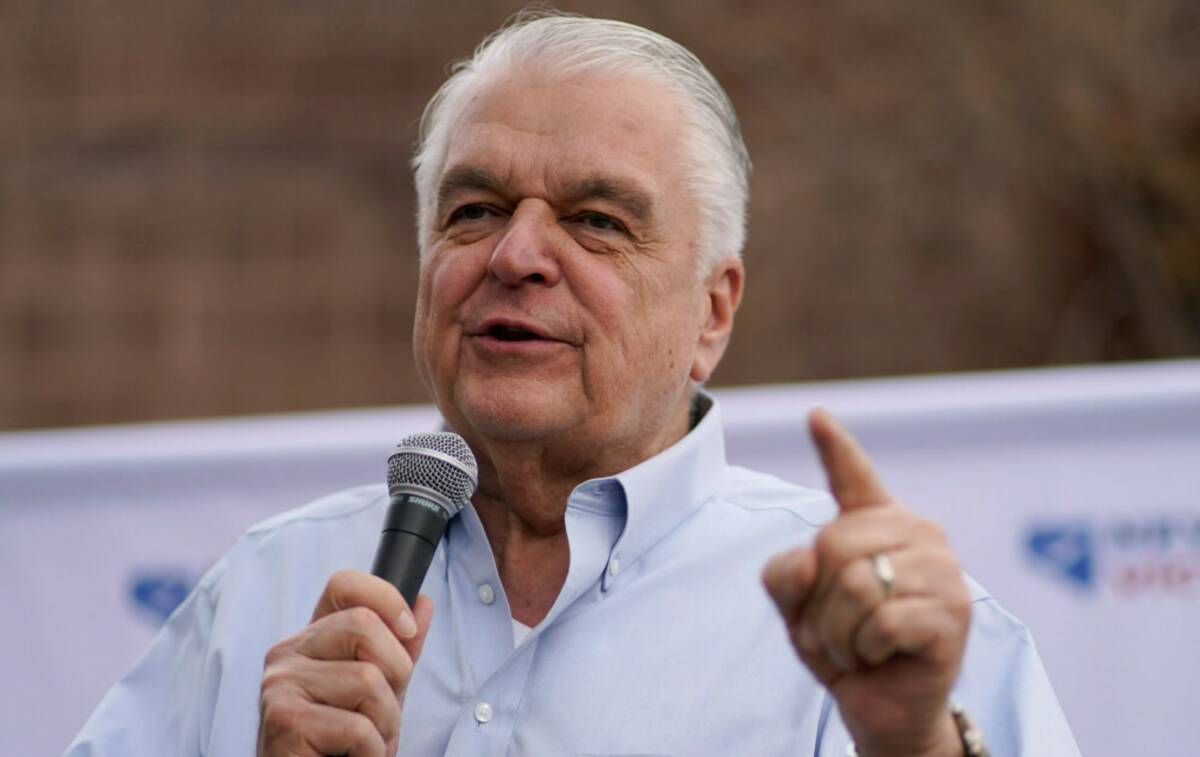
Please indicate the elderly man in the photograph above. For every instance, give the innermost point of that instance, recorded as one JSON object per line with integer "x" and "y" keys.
{"x": 582, "y": 189}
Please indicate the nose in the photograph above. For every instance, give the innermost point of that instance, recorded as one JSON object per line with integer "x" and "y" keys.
{"x": 529, "y": 249}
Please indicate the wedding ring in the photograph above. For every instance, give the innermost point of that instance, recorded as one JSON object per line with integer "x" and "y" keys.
{"x": 884, "y": 572}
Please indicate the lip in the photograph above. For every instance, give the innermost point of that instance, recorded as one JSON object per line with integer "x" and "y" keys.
{"x": 484, "y": 329}
{"x": 546, "y": 342}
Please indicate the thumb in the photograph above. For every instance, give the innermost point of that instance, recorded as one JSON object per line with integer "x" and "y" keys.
{"x": 789, "y": 578}
{"x": 423, "y": 614}
{"x": 852, "y": 479}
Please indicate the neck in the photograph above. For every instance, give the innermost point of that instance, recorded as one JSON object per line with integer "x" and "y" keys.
{"x": 522, "y": 504}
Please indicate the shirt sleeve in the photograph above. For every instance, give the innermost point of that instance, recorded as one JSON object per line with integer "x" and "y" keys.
{"x": 195, "y": 690}
{"x": 164, "y": 704}
{"x": 1003, "y": 686}
{"x": 1006, "y": 689}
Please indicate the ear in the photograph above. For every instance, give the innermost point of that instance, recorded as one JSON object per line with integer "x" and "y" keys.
{"x": 723, "y": 292}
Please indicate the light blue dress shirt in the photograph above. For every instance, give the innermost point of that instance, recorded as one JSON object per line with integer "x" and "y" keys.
{"x": 662, "y": 641}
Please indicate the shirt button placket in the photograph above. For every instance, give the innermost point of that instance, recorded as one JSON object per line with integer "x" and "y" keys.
{"x": 483, "y": 713}
{"x": 487, "y": 594}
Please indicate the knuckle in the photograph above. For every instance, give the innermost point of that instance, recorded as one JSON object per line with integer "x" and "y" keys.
{"x": 404, "y": 669}
{"x": 339, "y": 583}
{"x": 932, "y": 530}
{"x": 943, "y": 556}
{"x": 361, "y": 619}
{"x": 273, "y": 680}
{"x": 888, "y": 622}
{"x": 900, "y": 517}
{"x": 827, "y": 541}
{"x": 277, "y": 653}
{"x": 826, "y": 631}
{"x": 280, "y": 715}
{"x": 358, "y": 731}
{"x": 369, "y": 677}
{"x": 858, "y": 582}
{"x": 805, "y": 647}
{"x": 951, "y": 570}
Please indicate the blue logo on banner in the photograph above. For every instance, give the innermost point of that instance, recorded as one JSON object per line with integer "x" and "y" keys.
{"x": 1124, "y": 555}
{"x": 158, "y": 593}
{"x": 1067, "y": 549}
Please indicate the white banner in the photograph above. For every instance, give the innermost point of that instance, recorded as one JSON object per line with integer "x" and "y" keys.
{"x": 1072, "y": 494}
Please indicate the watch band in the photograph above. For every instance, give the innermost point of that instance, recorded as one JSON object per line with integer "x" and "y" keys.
{"x": 968, "y": 732}
{"x": 972, "y": 737}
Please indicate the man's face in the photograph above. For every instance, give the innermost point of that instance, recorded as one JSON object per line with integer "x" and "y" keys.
{"x": 559, "y": 300}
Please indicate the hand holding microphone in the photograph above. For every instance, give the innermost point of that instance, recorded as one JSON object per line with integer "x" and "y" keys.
{"x": 337, "y": 686}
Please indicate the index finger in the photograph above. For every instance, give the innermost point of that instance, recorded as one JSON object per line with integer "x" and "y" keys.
{"x": 852, "y": 478}
{"x": 351, "y": 588}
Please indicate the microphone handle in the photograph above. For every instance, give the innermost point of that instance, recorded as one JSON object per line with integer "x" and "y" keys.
{"x": 411, "y": 532}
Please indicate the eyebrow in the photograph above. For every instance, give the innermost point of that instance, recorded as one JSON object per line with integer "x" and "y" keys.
{"x": 465, "y": 178}
{"x": 626, "y": 194}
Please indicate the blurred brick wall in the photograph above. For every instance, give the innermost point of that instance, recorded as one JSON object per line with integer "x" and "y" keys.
{"x": 205, "y": 207}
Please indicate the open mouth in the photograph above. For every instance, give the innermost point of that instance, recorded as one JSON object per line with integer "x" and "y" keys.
{"x": 511, "y": 334}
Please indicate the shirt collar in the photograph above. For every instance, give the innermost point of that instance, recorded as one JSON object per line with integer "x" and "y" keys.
{"x": 662, "y": 492}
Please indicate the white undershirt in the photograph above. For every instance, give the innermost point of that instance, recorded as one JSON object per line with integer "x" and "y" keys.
{"x": 520, "y": 631}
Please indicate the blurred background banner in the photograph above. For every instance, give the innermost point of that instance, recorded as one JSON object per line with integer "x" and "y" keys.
{"x": 206, "y": 211}
{"x": 205, "y": 206}
{"x": 1072, "y": 494}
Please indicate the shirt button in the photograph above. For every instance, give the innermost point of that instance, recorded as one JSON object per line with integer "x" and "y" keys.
{"x": 614, "y": 565}
{"x": 483, "y": 712}
{"x": 487, "y": 594}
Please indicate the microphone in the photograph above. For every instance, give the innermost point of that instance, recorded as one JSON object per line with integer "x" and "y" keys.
{"x": 431, "y": 477}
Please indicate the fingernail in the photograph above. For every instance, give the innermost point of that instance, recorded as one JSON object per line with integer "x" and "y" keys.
{"x": 406, "y": 627}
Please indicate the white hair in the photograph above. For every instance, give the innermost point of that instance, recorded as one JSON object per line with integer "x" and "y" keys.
{"x": 717, "y": 165}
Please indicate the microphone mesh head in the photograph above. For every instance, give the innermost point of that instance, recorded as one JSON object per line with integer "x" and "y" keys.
{"x": 440, "y": 461}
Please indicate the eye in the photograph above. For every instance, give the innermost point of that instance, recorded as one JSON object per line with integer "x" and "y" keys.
{"x": 600, "y": 221}
{"x": 473, "y": 212}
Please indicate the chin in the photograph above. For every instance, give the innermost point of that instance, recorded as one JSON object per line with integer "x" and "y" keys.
{"x": 515, "y": 410}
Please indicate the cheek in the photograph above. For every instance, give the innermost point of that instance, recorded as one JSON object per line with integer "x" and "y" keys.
{"x": 674, "y": 324}
{"x": 449, "y": 280}
{"x": 657, "y": 321}
{"x": 423, "y": 330}
{"x": 445, "y": 285}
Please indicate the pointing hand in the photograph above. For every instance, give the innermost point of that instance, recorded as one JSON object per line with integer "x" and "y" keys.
{"x": 876, "y": 608}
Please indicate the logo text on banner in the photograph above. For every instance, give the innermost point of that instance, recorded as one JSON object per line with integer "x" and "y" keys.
{"x": 1155, "y": 553}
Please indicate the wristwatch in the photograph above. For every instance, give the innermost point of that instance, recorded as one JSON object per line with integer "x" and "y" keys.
{"x": 972, "y": 737}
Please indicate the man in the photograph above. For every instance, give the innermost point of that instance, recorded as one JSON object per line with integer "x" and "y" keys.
{"x": 582, "y": 189}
